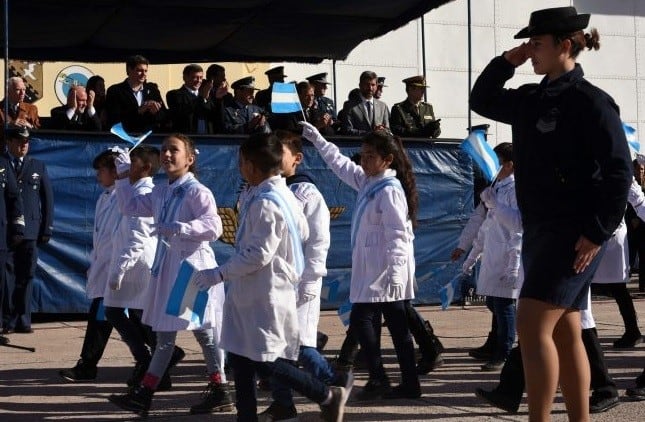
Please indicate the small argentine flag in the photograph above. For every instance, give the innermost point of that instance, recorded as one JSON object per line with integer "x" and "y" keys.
{"x": 186, "y": 301}
{"x": 447, "y": 292}
{"x": 284, "y": 98}
{"x": 344, "y": 311}
{"x": 634, "y": 145}
{"x": 118, "y": 130}
{"x": 476, "y": 146}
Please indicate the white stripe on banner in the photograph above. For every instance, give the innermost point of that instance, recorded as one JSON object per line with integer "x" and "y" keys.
{"x": 284, "y": 98}
{"x": 476, "y": 146}
{"x": 186, "y": 301}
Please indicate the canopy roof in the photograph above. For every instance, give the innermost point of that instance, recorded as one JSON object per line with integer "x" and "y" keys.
{"x": 181, "y": 31}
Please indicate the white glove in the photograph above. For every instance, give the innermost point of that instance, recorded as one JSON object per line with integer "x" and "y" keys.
{"x": 641, "y": 159}
{"x": 122, "y": 162}
{"x": 468, "y": 265}
{"x": 306, "y": 293}
{"x": 204, "y": 279}
{"x": 166, "y": 229}
{"x": 395, "y": 289}
{"x": 116, "y": 280}
{"x": 510, "y": 281}
{"x": 488, "y": 198}
{"x": 310, "y": 133}
{"x": 635, "y": 195}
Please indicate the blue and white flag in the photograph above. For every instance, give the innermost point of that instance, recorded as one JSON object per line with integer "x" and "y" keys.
{"x": 186, "y": 301}
{"x": 284, "y": 98}
{"x": 634, "y": 144}
{"x": 447, "y": 292}
{"x": 476, "y": 146}
{"x": 344, "y": 311}
{"x": 118, "y": 130}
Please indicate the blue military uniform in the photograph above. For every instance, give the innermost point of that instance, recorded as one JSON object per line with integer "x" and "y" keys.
{"x": 38, "y": 205}
{"x": 323, "y": 104}
{"x": 236, "y": 116}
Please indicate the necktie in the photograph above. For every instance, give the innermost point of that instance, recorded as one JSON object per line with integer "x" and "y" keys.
{"x": 368, "y": 107}
{"x": 17, "y": 164}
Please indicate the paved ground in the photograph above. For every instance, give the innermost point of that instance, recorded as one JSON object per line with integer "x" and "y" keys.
{"x": 31, "y": 390}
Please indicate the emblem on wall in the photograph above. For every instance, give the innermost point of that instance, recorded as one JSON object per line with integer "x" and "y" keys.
{"x": 68, "y": 77}
{"x": 32, "y": 73}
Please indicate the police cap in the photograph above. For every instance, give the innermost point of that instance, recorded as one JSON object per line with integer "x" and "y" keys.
{"x": 248, "y": 82}
{"x": 419, "y": 81}
{"x": 320, "y": 78}
{"x": 276, "y": 71}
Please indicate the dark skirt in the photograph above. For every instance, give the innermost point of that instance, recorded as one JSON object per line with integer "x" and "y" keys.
{"x": 548, "y": 252}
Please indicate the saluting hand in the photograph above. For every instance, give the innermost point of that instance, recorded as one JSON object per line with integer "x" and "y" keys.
{"x": 518, "y": 55}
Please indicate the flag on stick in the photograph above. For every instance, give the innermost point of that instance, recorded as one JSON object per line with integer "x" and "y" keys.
{"x": 186, "y": 301}
{"x": 284, "y": 98}
{"x": 634, "y": 144}
{"x": 118, "y": 130}
{"x": 447, "y": 292}
{"x": 476, "y": 146}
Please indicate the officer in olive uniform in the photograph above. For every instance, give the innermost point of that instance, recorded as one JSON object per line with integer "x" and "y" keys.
{"x": 241, "y": 116}
{"x": 263, "y": 98}
{"x": 413, "y": 117}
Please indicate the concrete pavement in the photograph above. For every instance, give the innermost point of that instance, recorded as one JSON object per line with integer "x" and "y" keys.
{"x": 31, "y": 390}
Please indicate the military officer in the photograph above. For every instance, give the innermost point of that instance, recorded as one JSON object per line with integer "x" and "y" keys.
{"x": 263, "y": 98}
{"x": 324, "y": 104}
{"x": 413, "y": 117}
{"x": 241, "y": 116}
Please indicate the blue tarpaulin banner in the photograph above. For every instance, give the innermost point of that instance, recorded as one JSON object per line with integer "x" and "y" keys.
{"x": 444, "y": 175}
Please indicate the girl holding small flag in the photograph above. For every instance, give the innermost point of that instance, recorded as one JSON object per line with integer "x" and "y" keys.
{"x": 572, "y": 175}
{"x": 186, "y": 220}
{"x": 382, "y": 252}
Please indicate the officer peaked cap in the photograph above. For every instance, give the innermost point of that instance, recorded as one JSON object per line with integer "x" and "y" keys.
{"x": 320, "y": 78}
{"x": 276, "y": 71}
{"x": 415, "y": 81}
{"x": 248, "y": 82}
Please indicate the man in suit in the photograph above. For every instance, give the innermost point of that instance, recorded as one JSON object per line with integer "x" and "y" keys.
{"x": 263, "y": 98}
{"x": 78, "y": 114}
{"x": 364, "y": 114}
{"x": 38, "y": 202}
{"x": 242, "y": 116}
{"x": 185, "y": 104}
{"x": 324, "y": 104}
{"x": 135, "y": 102}
{"x": 413, "y": 117}
{"x": 20, "y": 112}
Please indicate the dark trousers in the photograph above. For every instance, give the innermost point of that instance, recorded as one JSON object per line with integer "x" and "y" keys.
{"x": 21, "y": 267}
{"x": 244, "y": 370}
{"x": 136, "y": 335}
{"x": 625, "y": 303}
{"x": 97, "y": 334}
{"x": 3, "y": 279}
{"x": 636, "y": 244}
{"x": 504, "y": 311}
{"x": 511, "y": 379}
{"x": 365, "y": 320}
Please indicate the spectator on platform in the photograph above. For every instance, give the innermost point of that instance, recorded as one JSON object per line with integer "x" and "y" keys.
{"x": 78, "y": 114}
{"x": 20, "y": 112}
{"x": 215, "y": 89}
{"x": 96, "y": 86}
{"x": 185, "y": 103}
{"x": 414, "y": 117}
{"x": 366, "y": 113}
{"x": 242, "y": 116}
{"x": 326, "y": 105}
{"x": 263, "y": 97}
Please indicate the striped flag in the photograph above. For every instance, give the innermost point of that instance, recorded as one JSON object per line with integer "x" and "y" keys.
{"x": 344, "y": 311}
{"x": 186, "y": 301}
{"x": 447, "y": 292}
{"x": 634, "y": 144}
{"x": 476, "y": 146}
{"x": 118, "y": 130}
{"x": 284, "y": 98}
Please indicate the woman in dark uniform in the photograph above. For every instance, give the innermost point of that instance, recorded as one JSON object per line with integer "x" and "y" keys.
{"x": 572, "y": 175}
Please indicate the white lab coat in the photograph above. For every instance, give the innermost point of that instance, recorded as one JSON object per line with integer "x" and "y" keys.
{"x": 106, "y": 222}
{"x": 200, "y": 224}
{"x": 383, "y": 252}
{"x": 499, "y": 242}
{"x": 470, "y": 230}
{"x": 133, "y": 251}
{"x": 260, "y": 317}
{"x": 315, "y": 251}
{"x": 614, "y": 263}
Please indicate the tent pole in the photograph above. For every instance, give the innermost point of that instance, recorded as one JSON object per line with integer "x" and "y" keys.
{"x": 470, "y": 66}
{"x": 423, "y": 54}
{"x": 6, "y": 62}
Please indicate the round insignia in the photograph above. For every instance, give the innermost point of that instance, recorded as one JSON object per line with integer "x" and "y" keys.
{"x": 68, "y": 77}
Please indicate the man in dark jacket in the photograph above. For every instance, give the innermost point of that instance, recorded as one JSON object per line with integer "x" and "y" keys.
{"x": 414, "y": 117}
{"x": 38, "y": 205}
{"x": 78, "y": 114}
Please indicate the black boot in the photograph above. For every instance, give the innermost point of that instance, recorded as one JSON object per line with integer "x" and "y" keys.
{"x": 137, "y": 400}
{"x": 485, "y": 352}
{"x": 215, "y": 398}
{"x": 625, "y": 303}
{"x": 430, "y": 347}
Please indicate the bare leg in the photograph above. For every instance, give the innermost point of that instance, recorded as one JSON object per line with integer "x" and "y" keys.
{"x": 575, "y": 375}
{"x": 536, "y": 322}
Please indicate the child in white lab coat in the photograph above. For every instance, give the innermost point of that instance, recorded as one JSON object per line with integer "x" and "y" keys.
{"x": 260, "y": 331}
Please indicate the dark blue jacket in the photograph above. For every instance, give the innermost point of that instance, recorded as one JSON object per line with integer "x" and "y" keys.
{"x": 11, "y": 216}
{"x": 572, "y": 162}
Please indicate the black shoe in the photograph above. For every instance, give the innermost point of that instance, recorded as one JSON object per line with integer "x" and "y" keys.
{"x": 165, "y": 383}
{"x": 321, "y": 341}
{"x": 276, "y": 412}
{"x": 425, "y": 365}
{"x": 264, "y": 384}
{"x": 137, "y": 400}
{"x": 628, "y": 340}
{"x": 492, "y": 366}
{"x": 635, "y": 394}
{"x": 374, "y": 389}
{"x": 599, "y": 404}
{"x": 403, "y": 392}
{"x": 215, "y": 398}
{"x": 81, "y": 372}
{"x": 138, "y": 372}
{"x": 334, "y": 410}
{"x": 178, "y": 355}
{"x": 498, "y": 400}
